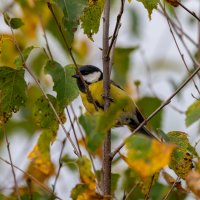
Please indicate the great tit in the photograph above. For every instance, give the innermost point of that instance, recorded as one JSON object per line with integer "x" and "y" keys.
{"x": 93, "y": 77}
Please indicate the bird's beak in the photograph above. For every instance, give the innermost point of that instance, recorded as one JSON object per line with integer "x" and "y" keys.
{"x": 75, "y": 76}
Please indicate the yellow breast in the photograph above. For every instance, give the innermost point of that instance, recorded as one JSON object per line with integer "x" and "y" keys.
{"x": 116, "y": 94}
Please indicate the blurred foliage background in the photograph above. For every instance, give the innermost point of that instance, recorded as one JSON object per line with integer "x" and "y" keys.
{"x": 152, "y": 70}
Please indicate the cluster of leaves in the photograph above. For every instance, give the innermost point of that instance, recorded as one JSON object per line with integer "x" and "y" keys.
{"x": 44, "y": 112}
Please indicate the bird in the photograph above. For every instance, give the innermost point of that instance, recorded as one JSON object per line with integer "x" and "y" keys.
{"x": 93, "y": 78}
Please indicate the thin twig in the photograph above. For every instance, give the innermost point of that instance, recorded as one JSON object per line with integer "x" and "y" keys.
{"x": 179, "y": 28}
{"x": 191, "y": 12}
{"x": 171, "y": 189}
{"x": 150, "y": 85}
{"x": 181, "y": 54}
{"x": 106, "y": 183}
{"x": 130, "y": 192}
{"x": 11, "y": 162}
{"x": 45, "y": 37}
{"x": 72, "y": 125}
{"x": 166, "y": 102}
{"x": 117, "y": 26}
{"x": 82, "y": 137}
{"x": 72, "y": 56}
{"x": 60, "y": 166}
{"x": 150, "y": 186}
{"x": 84, "y": 141}
{"x": 32, "y": 178}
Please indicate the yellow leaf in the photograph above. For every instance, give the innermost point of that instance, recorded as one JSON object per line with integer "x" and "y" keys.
{"x": 38, "y": 174}
{"x": 86, "y": 174}
{"x": 40, "y": 161}
{"x": 193, "y": 182}
{"x": 147, "y": 158}
{"x": 40, "y": 155}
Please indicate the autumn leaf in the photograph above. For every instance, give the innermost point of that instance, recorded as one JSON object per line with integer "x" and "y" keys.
{"x": 146, "y": 156}
{"x": 91, "y": 12}
{"x": 86, "y": 174}
{"x": 12, "y": 92}
{"x": 43, "y": 113}
{"x": 81, "y": 192}
{"x": 150, "y": 5}
{"x": 181, "y": 161}
{"x": 40, "y": 155}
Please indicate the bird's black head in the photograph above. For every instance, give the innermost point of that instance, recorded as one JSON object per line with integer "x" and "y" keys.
{"x": 90, "y": 74}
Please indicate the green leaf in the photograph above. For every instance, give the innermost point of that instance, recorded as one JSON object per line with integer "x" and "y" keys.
{"x": 114, "y": 181}
{"x": 122, "y": 64}
{"x": 150, "y": 5}
{"x": 12, "y": 92}
{"x": 72, "y": 11}
{"x": 43, "y": 113}
{"x": 107, "y": 120}
{"x": 141, "y": 144}
{"x": 181, "y": 140}
{"x": 25, "y": 53}
{"x": 69, "y": 162}
{"x": 88, "y": 122}
{"x": 86, "y": 174}
{"x": 149, "y": 104}
{"x": 14, "y": 23}
{"x": 192, "y": 113}
{"x": 78, "y": 190}
{"x": 64, "y": 85}
{"x": 181, "y": 161}
{"x": 91, "y": 17}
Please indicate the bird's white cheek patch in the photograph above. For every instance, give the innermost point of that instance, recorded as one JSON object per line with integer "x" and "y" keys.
{"x": 91, "y": 78}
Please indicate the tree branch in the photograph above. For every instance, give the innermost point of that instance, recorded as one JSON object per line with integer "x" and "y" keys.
{"x": 166, "y": 102}
{"x": 106, "y": 93}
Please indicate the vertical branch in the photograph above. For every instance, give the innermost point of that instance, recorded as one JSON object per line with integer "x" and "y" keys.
{"x": 106, "y": 90}
{"x": 11, "y": 163}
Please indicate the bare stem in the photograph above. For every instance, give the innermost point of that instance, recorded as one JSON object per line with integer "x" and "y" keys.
{"x": 60, "y": 165}
{"x": 166, "y": 102}
{"x": 11, "y": 163}
{"x": 150, "y": 186}
{"x": 72, "y": 125}
{"x": 171, "y": 189}
{"x": 191, "y": 12}
{"x": 45, "y": 37}
{"x": 106, "y": 92}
